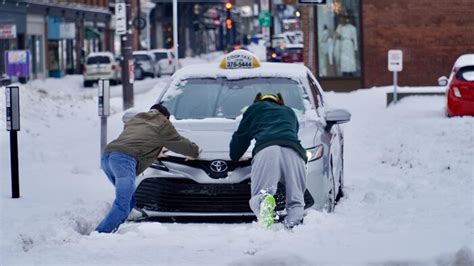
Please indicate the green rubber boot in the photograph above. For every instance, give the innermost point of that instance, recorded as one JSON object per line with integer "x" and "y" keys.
{"x": 267, "y": 211}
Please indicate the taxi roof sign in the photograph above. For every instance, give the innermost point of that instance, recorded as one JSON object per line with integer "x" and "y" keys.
{"x": 239, "y": 59}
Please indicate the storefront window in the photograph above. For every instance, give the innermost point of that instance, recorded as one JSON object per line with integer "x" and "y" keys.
{"x": 338, "y": 38}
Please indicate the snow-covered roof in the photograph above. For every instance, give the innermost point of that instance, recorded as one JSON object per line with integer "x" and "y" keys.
{"x": 212, "y": 70}
{"x": 159, "y": 50}
{"x": 100, "y": 54}
{"x": 141, "y": 52}
{"x": 464, "y": 60}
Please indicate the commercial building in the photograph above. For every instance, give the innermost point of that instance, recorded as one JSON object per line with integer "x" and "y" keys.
{"x": 347, "y": 41}
{"x": 58, "y": 34}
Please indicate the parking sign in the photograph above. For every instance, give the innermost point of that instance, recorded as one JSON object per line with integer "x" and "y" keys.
{"x": 395, "y": 60}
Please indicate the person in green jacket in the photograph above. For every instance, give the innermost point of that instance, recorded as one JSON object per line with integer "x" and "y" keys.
{"x": 137, "y": 147}
{"x": 277, "y": 155}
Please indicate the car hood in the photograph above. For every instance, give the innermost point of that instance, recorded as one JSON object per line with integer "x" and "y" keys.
{"x": 213, "y": 137}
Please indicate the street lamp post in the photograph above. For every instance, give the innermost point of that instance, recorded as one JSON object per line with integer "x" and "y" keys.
{"x": 175, "y": 33}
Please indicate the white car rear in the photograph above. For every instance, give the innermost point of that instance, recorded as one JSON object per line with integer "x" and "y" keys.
{"x": 101, "y": 65}
{"x": 165, "y": 59}
{"x": 145, "y": 62}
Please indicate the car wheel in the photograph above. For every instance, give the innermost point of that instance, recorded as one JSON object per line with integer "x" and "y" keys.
{"x": 340, "y": 191}
{"x": 138, "y": 73}
{"x": 330, "y": 203}
{"x": 87, "y": 83}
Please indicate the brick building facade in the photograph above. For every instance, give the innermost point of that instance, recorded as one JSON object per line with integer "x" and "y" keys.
{"x": 431, "y": 34}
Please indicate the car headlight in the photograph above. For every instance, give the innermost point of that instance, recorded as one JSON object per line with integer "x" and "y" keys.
{"x": 314, "y": 153}
{"x": 158, "y": 165}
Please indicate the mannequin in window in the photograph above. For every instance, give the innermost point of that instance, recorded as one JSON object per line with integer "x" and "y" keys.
{"x": 346, "y": 33}
{"x": 326, "y": 50}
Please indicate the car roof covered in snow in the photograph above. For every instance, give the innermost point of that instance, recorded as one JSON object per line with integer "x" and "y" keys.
{"x": 212, "y": 70}
{"x": 464, "y": 60}
{"x": 160, "y": 50}
{"x": 100, "y": 54}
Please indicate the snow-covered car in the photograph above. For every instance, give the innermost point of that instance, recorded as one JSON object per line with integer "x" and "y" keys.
{"x": 165, "y": 59}
{"x": 145, "y": 65}
{"x": 460, "y": 87}
{"x": 101, "y": 65}
{"x": 206, "y": 102}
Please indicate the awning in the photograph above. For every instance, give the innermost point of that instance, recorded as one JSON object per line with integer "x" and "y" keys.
{"x": 92, "y": 33}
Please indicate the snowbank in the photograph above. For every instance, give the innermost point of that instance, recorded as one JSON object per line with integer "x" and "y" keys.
{"x": 408, "y": 172}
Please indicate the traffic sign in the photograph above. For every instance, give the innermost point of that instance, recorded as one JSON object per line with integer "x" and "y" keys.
{"x": 265, "y": 19}
{"x": 120, "y": 19}
{"x": 395, "y": 60}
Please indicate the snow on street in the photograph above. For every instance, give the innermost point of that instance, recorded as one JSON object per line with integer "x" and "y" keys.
{"x": 409, "y": 174}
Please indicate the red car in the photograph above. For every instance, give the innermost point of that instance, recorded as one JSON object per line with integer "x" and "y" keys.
{"x": 460, "y": 87}
{"x": 293, "y": 53}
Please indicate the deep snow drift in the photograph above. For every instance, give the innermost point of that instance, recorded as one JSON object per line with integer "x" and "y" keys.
{"x": 408, "y": 172}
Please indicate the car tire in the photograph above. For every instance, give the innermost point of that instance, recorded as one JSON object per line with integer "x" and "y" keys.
{"x": 87, "y": 83}
{"x": 340, "y": 191}
{"x": 330, "y": 203}
{"x": 138, "y": 73}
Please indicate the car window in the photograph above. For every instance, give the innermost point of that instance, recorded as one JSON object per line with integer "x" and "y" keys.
{"x": 318, "y": 98}
{"x": 206, "y": 98}
{"x": 295, "y": 50}
{"x": 161, "y": 55}
{"x": 141, "y": 57}
{"x": 98, "y": 60}
{"x": 466, "y": 73}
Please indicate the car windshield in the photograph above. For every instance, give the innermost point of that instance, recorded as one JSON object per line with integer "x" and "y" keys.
{"x": 161, "y": 55}
{"x": 98, "y": 60}
{"x": 207, "y": 98}
{"x": 141, "y": 57}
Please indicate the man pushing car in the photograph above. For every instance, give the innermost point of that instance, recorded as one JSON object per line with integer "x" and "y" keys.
{"x": 277, "y": 156}
{"x": 137, "y": 147}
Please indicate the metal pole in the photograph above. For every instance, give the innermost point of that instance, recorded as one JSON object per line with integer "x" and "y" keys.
{"x": 127, "y": 62}
{"x": 14, "y": 164}
{"x": 395, "y": 82}
{"x": 175, "y": 34}
{"x": 103, "y": 133}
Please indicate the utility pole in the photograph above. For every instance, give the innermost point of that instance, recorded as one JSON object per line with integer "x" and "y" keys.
{"x": 127, "y": 62}
{"x": 175, "y": 34}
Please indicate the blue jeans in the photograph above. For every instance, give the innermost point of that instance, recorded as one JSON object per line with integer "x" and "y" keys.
{"x": 120, "y": 169}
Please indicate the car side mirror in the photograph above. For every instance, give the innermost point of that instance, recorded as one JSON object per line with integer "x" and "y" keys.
{"x": 337, "y": 116}
{"x": 443, "y": 81}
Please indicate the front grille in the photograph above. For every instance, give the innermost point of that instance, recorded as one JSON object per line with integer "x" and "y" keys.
{"x": 205, "y": 165}
{"x": 184, "y": 195}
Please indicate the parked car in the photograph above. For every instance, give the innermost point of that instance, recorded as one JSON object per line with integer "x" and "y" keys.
{"x": 293, "y": 53}
{"x": 274, "y": 54}
{"x": 165, "y": 59}
{"x": 460, "y": 87}
{"x": 101, "y": 65}
{"x": 207, "y": 102}
{"x": 145, "y": 64}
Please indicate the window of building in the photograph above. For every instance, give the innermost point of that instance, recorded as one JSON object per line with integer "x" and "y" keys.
{"x": 338, "y": 25}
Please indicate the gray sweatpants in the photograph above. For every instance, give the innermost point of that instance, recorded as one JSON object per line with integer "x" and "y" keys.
{"x": 273, "y": 164}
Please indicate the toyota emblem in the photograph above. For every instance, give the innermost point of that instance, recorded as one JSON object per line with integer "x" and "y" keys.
{"x": 218, "y": 166}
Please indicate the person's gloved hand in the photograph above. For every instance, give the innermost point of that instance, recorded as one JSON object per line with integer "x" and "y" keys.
{"x": 244, "y": 158}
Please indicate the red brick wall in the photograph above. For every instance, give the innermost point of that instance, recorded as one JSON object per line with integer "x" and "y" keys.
{"x": 431, "y": 33}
